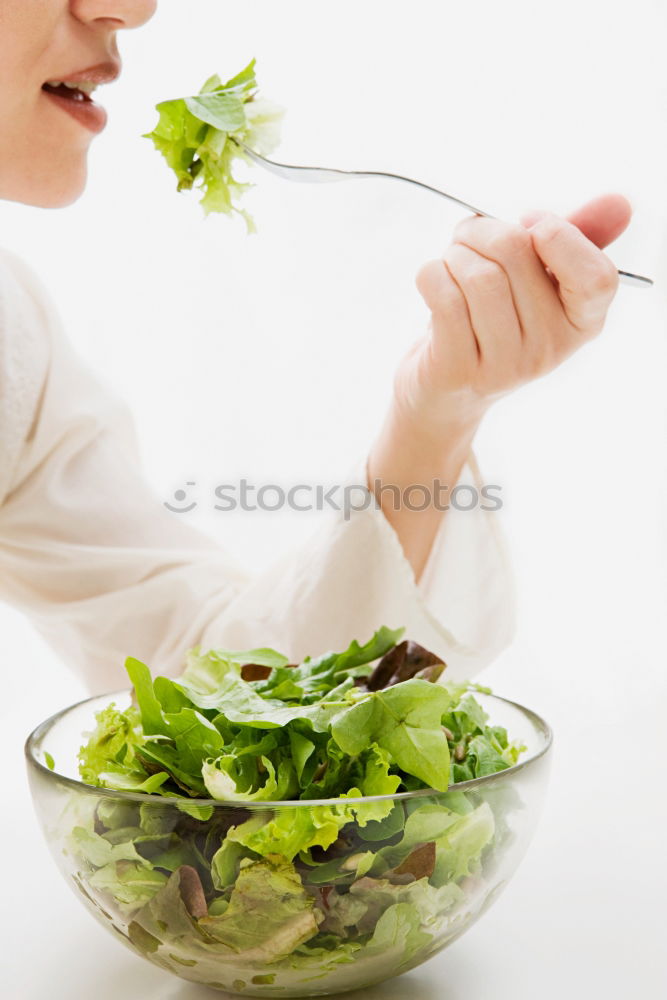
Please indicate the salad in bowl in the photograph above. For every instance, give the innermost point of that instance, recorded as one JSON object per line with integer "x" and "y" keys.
{"x": 268, "y": 828}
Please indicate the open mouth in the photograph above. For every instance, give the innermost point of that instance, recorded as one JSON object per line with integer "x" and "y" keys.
{"x": 70, "y": 91}
{"x": 76, "y": 99}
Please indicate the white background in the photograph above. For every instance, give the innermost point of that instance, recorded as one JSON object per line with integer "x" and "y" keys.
{"x": 272, "y": 358}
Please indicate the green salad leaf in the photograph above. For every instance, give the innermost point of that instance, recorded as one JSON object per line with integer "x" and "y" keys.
{"x": 405, "y": 720}
{"x": 249, "y": 726}
{"x": 201, "y": 138}
{"x": 260, "y": 877}
{"x": 269, "y": 913}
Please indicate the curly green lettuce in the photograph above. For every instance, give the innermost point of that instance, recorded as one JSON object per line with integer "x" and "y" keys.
{"x": 200, "y": 138}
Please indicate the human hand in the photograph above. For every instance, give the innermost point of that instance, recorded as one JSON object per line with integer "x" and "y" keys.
{"x": 509, "y": 302}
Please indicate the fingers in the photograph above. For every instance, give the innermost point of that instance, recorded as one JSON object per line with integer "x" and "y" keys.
{"x": 587, "y": 279}
{"x": 473, "y": 308}
{"x": 603, "y": 219}
{"x": 453, "y": 340}
{"x": 536, "y": 301}
{"x": 511, "y": 301}
{"x": 493, "y": 316}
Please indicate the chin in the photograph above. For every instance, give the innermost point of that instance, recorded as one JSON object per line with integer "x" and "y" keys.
{"x": 61, "y": 191}
{"x": 59, "y": 187}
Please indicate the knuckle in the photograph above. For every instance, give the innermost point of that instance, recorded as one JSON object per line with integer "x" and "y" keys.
{"x": 439, "y": 290}
{"x": 462, "y": 227}
{"x": 535, "y": 367}
{"x": 487, "y": 277}
{"x": 512, "y": 241}
{"x": 604, "y": 277}
{"x": 549, "y": 229}
{"x": 427, "y": 276}
{"x": 588, "y": 324}
{"x": 539, "y": 361}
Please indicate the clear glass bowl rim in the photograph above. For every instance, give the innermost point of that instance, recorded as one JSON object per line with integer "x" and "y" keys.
{"x": 33, "y": 742}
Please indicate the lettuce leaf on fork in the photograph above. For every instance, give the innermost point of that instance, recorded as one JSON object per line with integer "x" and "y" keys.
{"x": 199, "y": 138}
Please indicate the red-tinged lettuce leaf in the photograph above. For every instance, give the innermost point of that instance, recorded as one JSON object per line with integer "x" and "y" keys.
{"x": 320, "y": 675}
{"x": 419, "y": 863}
{"x": 167, "y": 918}
{"x": 403, "y": 662}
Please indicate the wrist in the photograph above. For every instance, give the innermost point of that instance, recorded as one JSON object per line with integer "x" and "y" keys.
{"x": 411, "y": 467}
{"x": 413, "y": 449}
{"x": 433, "y": 416}
{"x": 435, "y": 435}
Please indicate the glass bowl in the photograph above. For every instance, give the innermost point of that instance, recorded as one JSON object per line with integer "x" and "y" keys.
{"x": 163, "y": 874}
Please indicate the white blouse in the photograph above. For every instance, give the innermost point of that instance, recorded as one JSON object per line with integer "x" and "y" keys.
{"x": 103, "y": 570}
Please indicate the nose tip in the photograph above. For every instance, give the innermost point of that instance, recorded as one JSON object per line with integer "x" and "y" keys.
{"x": 134, "y": 14}
{"x": 150, "y": 8}
{"x": 120, "y": 13}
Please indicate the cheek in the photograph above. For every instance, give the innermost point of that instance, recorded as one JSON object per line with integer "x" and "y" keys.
{"x": 42, "y": 153}
{"x": 30, "y": 32}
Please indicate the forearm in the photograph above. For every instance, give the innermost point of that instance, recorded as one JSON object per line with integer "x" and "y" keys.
{"x": 411, "y": 472}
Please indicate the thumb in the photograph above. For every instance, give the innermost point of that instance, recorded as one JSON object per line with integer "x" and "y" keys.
{"x": 602, "y": 220}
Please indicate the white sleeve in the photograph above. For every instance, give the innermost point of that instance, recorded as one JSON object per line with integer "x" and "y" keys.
{"x": 103, "y": 570}
{"x": 352, "y": 576}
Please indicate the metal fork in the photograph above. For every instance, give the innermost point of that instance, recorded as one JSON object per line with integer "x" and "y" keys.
{"x": 325, "y": 175}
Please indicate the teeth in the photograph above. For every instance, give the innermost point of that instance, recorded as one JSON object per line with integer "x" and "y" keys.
{"x": 85, "y": 86}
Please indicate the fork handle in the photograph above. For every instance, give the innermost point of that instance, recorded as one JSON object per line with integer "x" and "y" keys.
{"x": 625, "y": 277}
{"x": 325, "y": 175}
{"x": 637, "y": 280}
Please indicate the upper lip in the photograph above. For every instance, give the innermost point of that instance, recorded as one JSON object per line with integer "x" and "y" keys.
{"x": 104, "y": 72}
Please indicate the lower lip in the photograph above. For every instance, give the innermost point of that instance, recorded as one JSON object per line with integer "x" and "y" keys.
{"x": 87, "y": 113}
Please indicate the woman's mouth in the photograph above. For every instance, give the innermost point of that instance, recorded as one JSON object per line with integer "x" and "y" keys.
{"x": 76, "y": 98}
